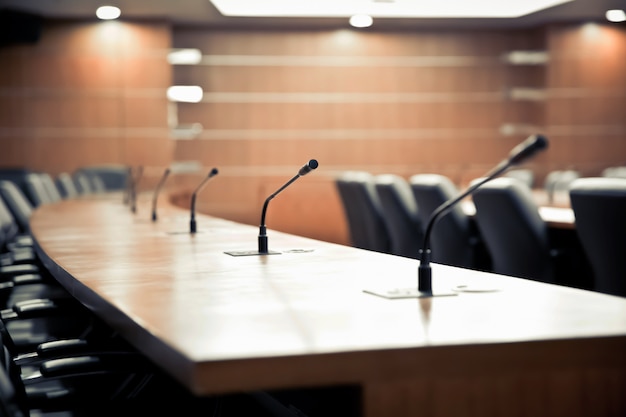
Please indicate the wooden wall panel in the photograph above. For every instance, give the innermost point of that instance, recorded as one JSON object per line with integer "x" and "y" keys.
{"x": 400, "y": 102}
{"x": 86, "y": 93}
{"x": 587, "y": 96}
{"x": 403, "y": 103}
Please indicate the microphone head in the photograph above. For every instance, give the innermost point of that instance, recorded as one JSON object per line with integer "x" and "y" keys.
{"x": 213, "y": 172}
{"x": 528, "y": 148}
{"x": 308, "y": 167}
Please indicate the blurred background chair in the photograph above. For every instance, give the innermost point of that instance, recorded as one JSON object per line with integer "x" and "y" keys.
{"x": 614, "y": 172}
{"x": 599, "y": 206}
{"x": 557, "y": 183}
{"x": 525, "y": 175}
{"x": 363, "y": 211}
{"x": 40, "y": 189}
{"x": 454, "y": 238}
{"x": 66, "y": 186}
{"x": 400, "y": 214}
{"x": 19, "y": 205}
{"x": 513, "y": 230}
{"x": 106, "y": 177}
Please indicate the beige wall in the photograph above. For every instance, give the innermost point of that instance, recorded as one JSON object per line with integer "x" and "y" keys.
{"x": 399, "y": 102}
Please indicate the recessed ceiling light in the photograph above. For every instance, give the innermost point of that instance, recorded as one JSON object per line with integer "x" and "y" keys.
{"x": 108, "y": 12}
{"x": 615, "y": 15}
{"x": 361, "y": 20}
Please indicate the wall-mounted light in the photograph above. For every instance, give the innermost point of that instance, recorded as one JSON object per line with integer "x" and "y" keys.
{"x": 108, "y": 12}
{"x": 616, "y": 15}
{"x": 185, "y": 93}
{"x": 184, "y": 56}
{"x": 361, "y": 21}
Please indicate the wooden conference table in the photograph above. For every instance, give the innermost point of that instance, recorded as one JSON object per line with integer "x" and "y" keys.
{"x": 220, "y": 323}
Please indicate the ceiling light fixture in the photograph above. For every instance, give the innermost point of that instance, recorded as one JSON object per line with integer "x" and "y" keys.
{"x": 616, "y": 16}
{"x": 184, "y": 56}
{"x": 384, "y": 9}
{"x": 108, "y": 12}
{"x": 361, "y": 20}
{"x": 185, "y": 93}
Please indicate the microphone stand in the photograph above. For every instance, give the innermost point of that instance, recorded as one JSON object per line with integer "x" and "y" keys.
{"x": 133, "y": 189}
{"x": 521, "y": 152}
{"x": 262, "y": 239}
{"x": 192, "y": 222}
{"x": 156, "y": 193}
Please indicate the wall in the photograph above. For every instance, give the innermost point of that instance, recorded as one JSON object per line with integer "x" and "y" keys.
{"x": 399, "y": 102}
{"x": 408, "y": 102}
{"x": 85, "y": 94}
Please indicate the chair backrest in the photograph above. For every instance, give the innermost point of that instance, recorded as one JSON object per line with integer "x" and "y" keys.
{"x": 36, "y": 190}
{"x": 513, "y": 230}
{"x": 453, "y": 239}
{"x": 112, "y": 177}
{"x": 18, "y": 204}
{"x": 82, "y": 183}
{"x": 9, "y": 228}
{"x": 559, "y": 182}
{"x": 526, "y": 175}
{"x": 363, "y": 210}
{"x": 66, "y": 185}
{"x": 9, "y": 398}
{"x": 400, "y": 215}
{"x": 50, "y": 187}
{"x": 599, "y": 206}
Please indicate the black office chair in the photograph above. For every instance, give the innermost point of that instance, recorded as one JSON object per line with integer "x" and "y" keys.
{"x": 400, "y": 215}
{"x": 82, "y": 183}
{"x": 526, "y": 175}
{"x": 19, "y": 205}
{"x": 454, "y": 239}
{"x": 599, "y": 206}
{"x": 514, "y": 232}
{"x": 111, "y": 177}
{"x": 558, "y": 182}
{"x": 363, "y": 211}
{"x": 66, "y": 186}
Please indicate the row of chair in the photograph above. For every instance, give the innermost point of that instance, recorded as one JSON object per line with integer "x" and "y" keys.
{"x": 507, "y": 235}
{"x": 55, "y": 355}
{"x": 387, "y": 213}
{"x": 41, "y": 188}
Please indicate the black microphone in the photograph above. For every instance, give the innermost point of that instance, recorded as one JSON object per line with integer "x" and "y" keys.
{"x": 192, "y": 222}
{"x": 308, "y": 167}
{"x": 263, "y": 247}
{"x": 156, "y": 193}
{"x": 520, "y": 153}
{"x": 133, "y": 189}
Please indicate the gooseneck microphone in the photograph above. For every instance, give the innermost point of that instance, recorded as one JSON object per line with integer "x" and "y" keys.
{"x": 133, "y": 188}
{"x": 308, "y": 167}
{"x": 520, "y": 153}
{"x": 192, "y": 222}
{"x": 156, "y": 193}
{"x": 263, "y": 246}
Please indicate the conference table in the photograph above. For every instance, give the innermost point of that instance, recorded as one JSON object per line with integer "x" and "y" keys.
{"x": 309, "y": 316}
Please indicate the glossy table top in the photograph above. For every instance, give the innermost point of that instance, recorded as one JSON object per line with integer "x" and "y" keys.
{"x": 219, "y": 323}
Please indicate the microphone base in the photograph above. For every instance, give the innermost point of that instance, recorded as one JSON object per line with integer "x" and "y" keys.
{"x": 397, "y": 293}
{"x": 251, "y": 253}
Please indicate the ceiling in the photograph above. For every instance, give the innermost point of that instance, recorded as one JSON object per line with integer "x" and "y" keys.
{"x": 203, "y": 13}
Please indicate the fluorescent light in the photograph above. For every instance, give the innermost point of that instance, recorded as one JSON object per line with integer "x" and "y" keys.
{"x": 185, "y": 93}
{"x": 108, "y": 12}
{"x": 186, "y": 56}
{"x": 361, "y": 20}
{"x": 395, "y": 9}
{"x": 615, "y": 16}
